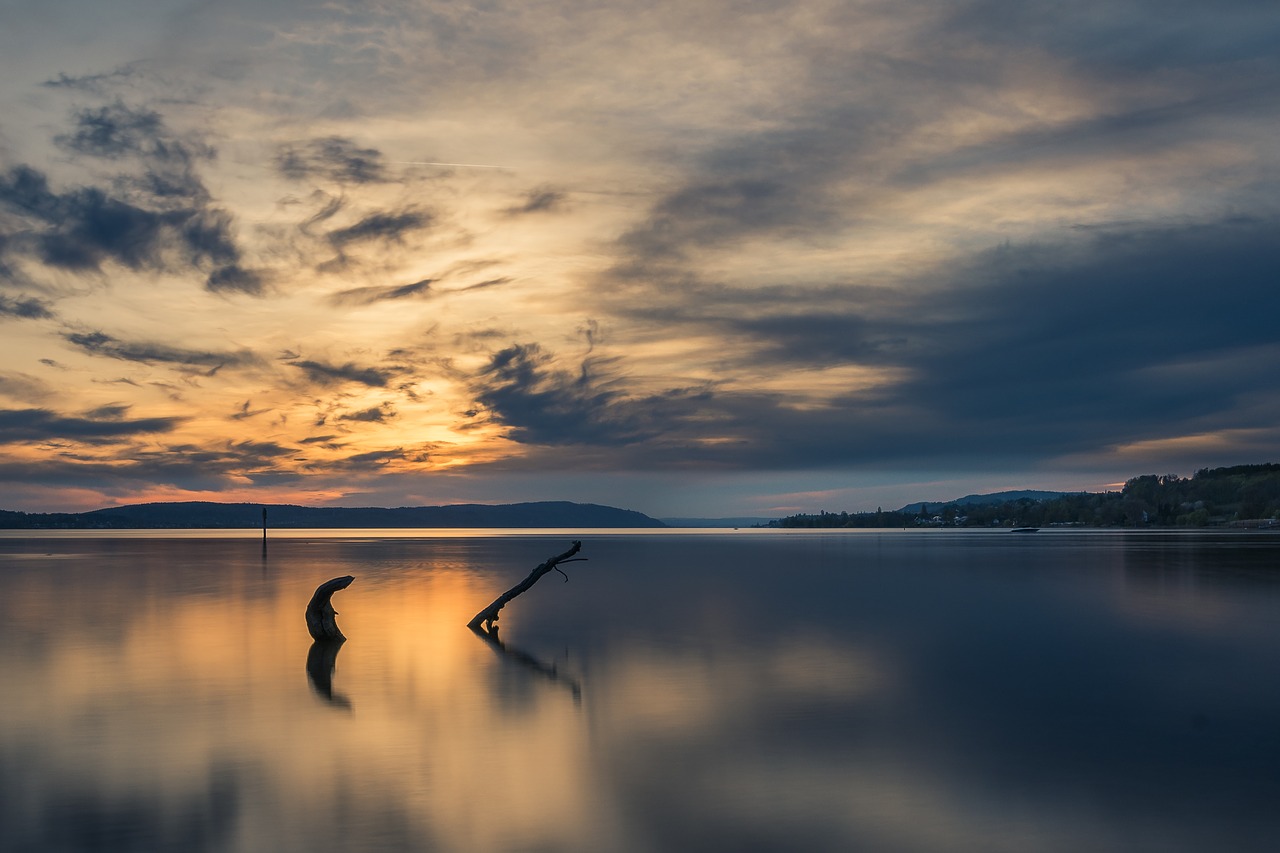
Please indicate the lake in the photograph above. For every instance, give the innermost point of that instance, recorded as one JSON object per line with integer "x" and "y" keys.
{"x": 683, "y": 691}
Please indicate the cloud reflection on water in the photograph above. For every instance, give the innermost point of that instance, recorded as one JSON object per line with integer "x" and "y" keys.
{"x": 818, "y": 694}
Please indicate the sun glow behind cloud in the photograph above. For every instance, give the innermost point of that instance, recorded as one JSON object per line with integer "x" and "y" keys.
{"x": 252, "y": 251}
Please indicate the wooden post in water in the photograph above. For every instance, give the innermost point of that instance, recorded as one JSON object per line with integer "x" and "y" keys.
{"x": 264, "y": 532}
{"x": 320, "y": 612}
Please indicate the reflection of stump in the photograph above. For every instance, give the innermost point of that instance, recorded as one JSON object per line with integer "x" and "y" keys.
{"x": 320, "y": 612}
{"x": 322, "y": 660}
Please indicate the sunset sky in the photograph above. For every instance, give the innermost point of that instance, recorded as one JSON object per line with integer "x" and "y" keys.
{"x": 694, "y": 258}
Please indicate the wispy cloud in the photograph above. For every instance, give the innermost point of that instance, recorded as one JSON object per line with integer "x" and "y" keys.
{"x": 102, "y": 344}
{"x": 539, "y": 201}
{"x": 116, "y": 130}
{"x": 380, "y": 226}
{"x": 24, "y": 307}
{"x": 324, "y": 373}
{"x": 370, "y": 295}
{"x": 372, "y": 415}
{"x": 333, "y": 158}
{"x": 24, "y": 425}
{"x": 974, "y": 236}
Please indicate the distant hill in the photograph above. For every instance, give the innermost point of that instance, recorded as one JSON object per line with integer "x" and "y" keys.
{"x": 208, "y": 515}
{"x": 743, "y": 521}
{"x": 982, "y": 500}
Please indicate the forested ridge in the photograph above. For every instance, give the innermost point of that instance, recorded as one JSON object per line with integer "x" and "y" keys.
{"x": 1241, "y": 495}
{"x": 209, "y": 515}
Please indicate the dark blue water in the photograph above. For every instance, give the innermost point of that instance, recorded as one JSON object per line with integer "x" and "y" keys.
{"x": 829, "y": 692}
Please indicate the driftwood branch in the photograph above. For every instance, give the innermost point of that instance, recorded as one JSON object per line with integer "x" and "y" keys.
{"x": 485, "y": 619}
{"x": 320, "y": 612}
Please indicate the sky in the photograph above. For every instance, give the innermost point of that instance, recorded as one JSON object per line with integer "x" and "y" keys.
{"x": 694, "y": 259}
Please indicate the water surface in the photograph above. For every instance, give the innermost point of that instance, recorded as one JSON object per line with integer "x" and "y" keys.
{"x": 887, "y": 691}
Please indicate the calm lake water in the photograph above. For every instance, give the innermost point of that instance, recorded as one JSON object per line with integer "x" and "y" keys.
{"x": 749, "y": 691}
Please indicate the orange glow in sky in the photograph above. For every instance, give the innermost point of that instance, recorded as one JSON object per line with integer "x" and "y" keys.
{"x": 686, "y": 261}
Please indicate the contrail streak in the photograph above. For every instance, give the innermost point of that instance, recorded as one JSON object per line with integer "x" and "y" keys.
{"x": 465, "y": 165}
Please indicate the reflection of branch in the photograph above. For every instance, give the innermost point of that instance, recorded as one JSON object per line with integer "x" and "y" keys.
{"x": 527, "y": 660}
{"x": 485, "y": 618}
{"x": 322, "y": 660}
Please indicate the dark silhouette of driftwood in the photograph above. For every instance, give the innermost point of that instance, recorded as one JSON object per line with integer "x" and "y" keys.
{"x": 527, "y": 660}
{"x": 320, "y": 612}
{"x": 322, "y": 660}
{"x": 485, "y": 619}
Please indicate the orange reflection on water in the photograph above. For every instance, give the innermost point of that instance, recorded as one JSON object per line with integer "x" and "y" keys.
{"x": 152, "y": 698}
{"x": 185, "y": 683}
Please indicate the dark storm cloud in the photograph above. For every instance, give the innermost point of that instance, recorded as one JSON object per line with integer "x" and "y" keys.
{"x": 24, "y": 425}
{"x": 116, "y": 131}
{"x": 233, "y": 278}
{"x": 1014, "y": 355}
{"x": 380, "y": 226}
{"x": 1082, "y": 343}
{"x": 1039, "y": 351}
{"x": 336, "y": 158}
{"x": 158, "y": 166}
{"x": 154, "y": 214}
{"x": 1070, "y": 342}
{"x": 370, "y": 295}
{"x": 323, "y": 373}
{"x": 522, "y": 387}
{"x": 100, "y": 343}
{"x": 819, "y": 338}
{"x": 24, "y": 308}
{"x": 111, "y": 131}
{"x": 540, "y": 403}
{"x": 85, "y": 227}
{"x": 1140, "y": 36}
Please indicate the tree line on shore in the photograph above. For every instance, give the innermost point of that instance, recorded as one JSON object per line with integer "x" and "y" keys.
{"x": 1243, "y": 495}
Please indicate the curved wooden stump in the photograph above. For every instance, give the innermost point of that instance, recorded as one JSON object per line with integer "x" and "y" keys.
{"x": 320, "y": 612}
{"x": 485, "y": 619}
